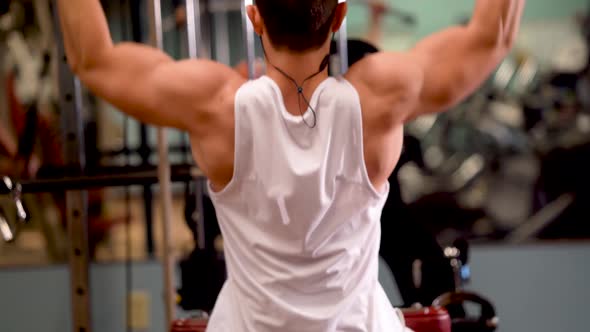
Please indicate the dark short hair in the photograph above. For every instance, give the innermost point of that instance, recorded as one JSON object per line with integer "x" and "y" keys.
{"x": 298, "y": 25}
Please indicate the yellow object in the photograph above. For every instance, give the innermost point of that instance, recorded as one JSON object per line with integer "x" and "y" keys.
{"x": 139, "y": 313}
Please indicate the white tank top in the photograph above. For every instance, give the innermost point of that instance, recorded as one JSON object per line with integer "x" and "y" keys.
{"x": 300, "y": 219}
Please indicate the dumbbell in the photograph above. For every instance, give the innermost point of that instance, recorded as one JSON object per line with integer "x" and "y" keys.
{"x": 9, "y": 227}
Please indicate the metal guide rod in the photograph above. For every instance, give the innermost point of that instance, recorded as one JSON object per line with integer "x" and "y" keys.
{"x": 70, "y": 103}
{"x": 193, "y": 27}
{"x": 343, "y": 45}
{"x": 194, "y": 32}
{"x": 249, "y": 39}
{"x": 107, "y": 177}
{"x": 164, "y": 179}
{"x": 222, "y": 44}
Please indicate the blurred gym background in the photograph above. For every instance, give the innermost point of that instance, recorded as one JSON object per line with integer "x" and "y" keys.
{"x": 507, "y": 171}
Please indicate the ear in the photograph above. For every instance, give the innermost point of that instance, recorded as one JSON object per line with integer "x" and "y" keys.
{"x": 255, "y": 18}
{"x": 340, "y": 15}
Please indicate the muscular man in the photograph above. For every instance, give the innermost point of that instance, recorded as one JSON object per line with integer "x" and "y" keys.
{"x": 297, "y": 162}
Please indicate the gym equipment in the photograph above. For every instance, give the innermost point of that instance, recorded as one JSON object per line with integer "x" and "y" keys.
{"x": 189, "y": 325}
{"x": 454, "y": 301}
{"x": 249, "y": 38}
{"x": 71, "y": 178}
{"x": 157, "y": 41}
{"x": 9, "y": 227}
{"x": 487, "y": 320}
{"x": 432, "y": 319}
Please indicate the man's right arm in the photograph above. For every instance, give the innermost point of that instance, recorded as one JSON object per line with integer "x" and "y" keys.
{"x": 446, "y": 67}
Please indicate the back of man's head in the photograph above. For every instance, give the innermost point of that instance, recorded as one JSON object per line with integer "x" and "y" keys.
{"x": 297, "y": 25}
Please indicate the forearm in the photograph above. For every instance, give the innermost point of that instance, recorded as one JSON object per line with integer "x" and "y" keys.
{"x": 85, "y": 32}
{"x": 375, "y": 33}
{"x": 497, "y": 21}
{"x": 377, "y": 9}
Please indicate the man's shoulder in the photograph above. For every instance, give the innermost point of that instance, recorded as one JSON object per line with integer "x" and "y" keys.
{"x": 388, "y": 83}
{"x": 384, "y": 73}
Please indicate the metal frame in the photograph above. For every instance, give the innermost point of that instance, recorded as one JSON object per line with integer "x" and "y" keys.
{"x": 76, "y": 201}
{"x": 250, "y": 46}
{"x": 144, "y": 150}
{"x": 157, "y": 41}
{"x": 343, "y": 45}
{"x": 222, "y": 44}
{"x": 193, "y": 27}
{"x": 194, "y": 33}
{"x": 102, "y": 178}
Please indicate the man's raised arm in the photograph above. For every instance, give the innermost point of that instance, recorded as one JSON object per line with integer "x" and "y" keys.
{"x": 141, "y": 81}
{"x": 446, "y": 67}
{"x": 455, "y": 62}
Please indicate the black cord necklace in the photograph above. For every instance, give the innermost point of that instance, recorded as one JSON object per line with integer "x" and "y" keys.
{"x": 299, "y": 87}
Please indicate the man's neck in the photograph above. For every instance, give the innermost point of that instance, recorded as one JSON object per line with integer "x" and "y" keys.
{"x": 299, "y": 66}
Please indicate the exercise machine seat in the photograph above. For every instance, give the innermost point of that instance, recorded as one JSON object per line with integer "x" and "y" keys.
{"x": 429, "y": 319}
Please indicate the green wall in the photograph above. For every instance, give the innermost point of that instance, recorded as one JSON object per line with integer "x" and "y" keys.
{"x": 433, "y": 15}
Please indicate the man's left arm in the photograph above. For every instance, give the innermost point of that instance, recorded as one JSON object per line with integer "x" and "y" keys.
{"x": 140, "y": 80}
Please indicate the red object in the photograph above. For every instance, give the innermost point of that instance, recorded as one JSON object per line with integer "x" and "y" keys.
{"x": 428, "y": 319}
{"x": 189, "y": 325}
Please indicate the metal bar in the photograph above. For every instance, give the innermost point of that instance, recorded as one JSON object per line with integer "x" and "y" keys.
{"x": 193, "y": 27}
{"x": 248, "y": 39}
{"x": 532, "y": 227}
{"x": 343, "y": 45}
{"x": 222, "y": 44}
{"x": 76, "y": 201}
{"x": 144, "y": 149}
{"x": 218, "y": 6}
{"x": 157, "y": 41}
{"x": 128, "y": 151}
{"x": 126, "y": 177}
{"x": 194, "y": 34}
{"x": 206, "y": 25}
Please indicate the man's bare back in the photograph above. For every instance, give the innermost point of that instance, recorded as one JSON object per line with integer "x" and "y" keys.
{"x": 198, "y": 96}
